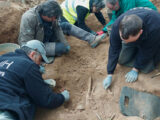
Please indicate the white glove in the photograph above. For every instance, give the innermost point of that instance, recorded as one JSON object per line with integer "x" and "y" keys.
{"x": 51, "y": 82}
{"x": 65, "y": 93}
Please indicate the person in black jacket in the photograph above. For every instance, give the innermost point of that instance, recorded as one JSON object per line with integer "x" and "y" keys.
{"x": 134, "y": 42}
{"x": 22, "y": 87}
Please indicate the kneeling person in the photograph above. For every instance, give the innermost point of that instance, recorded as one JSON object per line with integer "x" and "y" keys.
{"x": 135, "y": 42}
{"x": 22, "y": 87}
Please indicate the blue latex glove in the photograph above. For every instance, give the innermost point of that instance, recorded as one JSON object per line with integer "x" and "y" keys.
{"x": 107, "y": 82}
{"x": 131, "y": 76}
{"x": 65, "y": 93}
{"x": 42, "y": 69}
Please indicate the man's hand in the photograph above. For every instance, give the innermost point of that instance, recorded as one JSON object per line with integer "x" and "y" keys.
{"x": 107, "y": 81}
{"x": 65, "y": 93}
{"x": 132, "y": 76}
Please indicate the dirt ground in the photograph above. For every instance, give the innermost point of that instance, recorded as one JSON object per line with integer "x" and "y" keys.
{"x": 81, "y": 71}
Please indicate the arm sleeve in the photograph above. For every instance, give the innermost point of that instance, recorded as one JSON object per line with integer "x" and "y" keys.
{"x": 114, "y": 17}
{"x": 27, "y": 29}
{"x": 100, "y": 18}
{"x": 114, "y": 50}
{"x": 147, "y": 50}
{"x": 81, "y": 14}
{"x": 145, "y": 3}
{"x": 39, "y": 91}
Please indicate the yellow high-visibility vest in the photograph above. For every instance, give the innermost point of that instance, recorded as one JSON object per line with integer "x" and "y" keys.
{"x": 69, "y": 9}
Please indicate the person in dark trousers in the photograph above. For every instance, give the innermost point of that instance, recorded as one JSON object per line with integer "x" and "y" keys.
{"x": 76, "y": 11}
{"x": 22, "y": 87}
{"x": 42, "y": 23}
{"x": 134, "y": 42}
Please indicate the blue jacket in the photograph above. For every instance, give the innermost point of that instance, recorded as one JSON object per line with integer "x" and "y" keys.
{"x": 148, "y": 44}
{"x": 22, "y": 87}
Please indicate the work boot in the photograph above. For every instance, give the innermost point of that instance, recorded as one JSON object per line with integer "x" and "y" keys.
{"x": 97, "y": 40}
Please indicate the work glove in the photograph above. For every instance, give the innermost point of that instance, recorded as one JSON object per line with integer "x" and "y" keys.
{"x": 100, "y": 32}
{"x": 42, "y": 69}
{"x": 65, "y": 93}
{"x": 50, "y": 82}
{"x": 94, "y": 33}
{"x": 107, "y": 81}
{"x": 131, "y": 76}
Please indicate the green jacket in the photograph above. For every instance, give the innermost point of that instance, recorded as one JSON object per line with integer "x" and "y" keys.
{"x": 126, "y": 5}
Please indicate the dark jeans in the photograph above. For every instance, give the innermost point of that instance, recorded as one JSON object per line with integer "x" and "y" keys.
{"x": 61, "y": 49}
{"x": 75, "y": 31}
{"x": 128, "y": 55}
{"x": 66, "y": 27}
{"x": 63, "y": 20}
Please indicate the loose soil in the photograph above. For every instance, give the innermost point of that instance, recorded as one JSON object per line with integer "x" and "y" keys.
{"x": 81, "y": 72}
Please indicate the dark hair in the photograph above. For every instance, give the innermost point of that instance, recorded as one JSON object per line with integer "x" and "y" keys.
{"x": 130, "y": 25}
{"x": 99, "y": 4}
{"x": 113, "y": 2}
{"x": 50, "y": 8}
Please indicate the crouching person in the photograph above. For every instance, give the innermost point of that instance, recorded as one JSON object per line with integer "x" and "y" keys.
{"x": 22, "y": 87}
{"x": 134, "y": 42}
